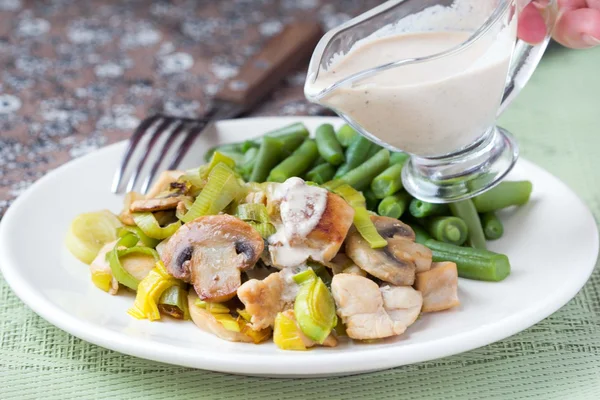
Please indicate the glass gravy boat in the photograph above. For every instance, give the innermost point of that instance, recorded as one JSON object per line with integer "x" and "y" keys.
{"x": 430, "y": 77}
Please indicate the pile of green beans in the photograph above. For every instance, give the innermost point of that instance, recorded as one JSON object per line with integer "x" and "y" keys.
{"x": 454, "y": 232}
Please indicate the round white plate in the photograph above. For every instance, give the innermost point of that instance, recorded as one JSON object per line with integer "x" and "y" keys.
{"x": 552, "y": 243}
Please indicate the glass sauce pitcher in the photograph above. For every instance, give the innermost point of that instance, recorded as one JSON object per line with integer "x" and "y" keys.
{"x": 430, "y": 77}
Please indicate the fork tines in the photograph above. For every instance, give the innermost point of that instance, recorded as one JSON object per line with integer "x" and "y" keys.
{"x": 157, "y": 126}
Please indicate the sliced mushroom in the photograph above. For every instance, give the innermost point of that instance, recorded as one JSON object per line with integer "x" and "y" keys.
{"x": 125, "y": 216}
{"x": 207, "y": 322}
{"x": 263, "y": 299}
{"x": 398, "y": 261}
{"x": 370, "y": 312}
{"x": 439, "y": 287}
{"x": 101, "y": 265}
{"x": 158, "y": 204}
{"x": 164, "y": 182}
{"x": 210, "y": 252}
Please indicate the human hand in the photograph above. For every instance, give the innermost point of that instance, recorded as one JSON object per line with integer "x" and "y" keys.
{"x": 577, "y": 25}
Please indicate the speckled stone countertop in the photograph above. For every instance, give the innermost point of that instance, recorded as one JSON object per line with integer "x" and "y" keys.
{"x": 78, "y": 75}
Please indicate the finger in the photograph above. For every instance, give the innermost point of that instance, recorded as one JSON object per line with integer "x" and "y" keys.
{"x": 579, "y": 29}
{"x": 568, "y": 5}
{"x": 531, "y": 27}
{"x": 594, "y": 4}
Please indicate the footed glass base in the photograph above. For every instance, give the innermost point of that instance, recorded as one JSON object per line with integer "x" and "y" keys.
{"x": 464, "y": 174}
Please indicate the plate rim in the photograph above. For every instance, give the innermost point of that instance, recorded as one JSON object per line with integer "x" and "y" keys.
{"x": 341, "y": 363}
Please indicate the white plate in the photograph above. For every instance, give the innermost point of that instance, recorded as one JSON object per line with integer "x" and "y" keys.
{"x": 552, "y": 243}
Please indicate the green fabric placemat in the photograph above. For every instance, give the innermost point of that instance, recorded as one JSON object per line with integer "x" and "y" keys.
{"x": 557, "y": 121}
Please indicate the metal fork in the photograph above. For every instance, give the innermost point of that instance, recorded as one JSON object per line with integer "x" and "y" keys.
{"x": 254, "y": 81}
{"x": 158, "y": 125}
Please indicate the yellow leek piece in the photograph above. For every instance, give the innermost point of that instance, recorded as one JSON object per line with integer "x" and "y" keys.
{"x": 228, "y": 322}
{"x": 213, "y": 308}
{"x": 102, "y": 279}
{"x": 256, "y": 336}
{"x": 149, "y": 291}
{"x": 286, "y": 334}
{"x": 244, "y": 314}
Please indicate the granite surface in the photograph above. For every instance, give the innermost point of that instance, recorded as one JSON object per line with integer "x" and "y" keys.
{"x": 78, "y": 75}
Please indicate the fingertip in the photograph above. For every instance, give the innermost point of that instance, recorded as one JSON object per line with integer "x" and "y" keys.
{"x": 531, "y": 27}
{"x": 578, "y": 29}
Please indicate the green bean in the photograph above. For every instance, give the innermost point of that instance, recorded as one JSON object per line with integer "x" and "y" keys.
{"x": 360, "y": 177}
{"x": 447, "y": 229}
{"x": 492, "y": 226}
{"x": 506, "y": 194}
{"x": 223, "y": 148}
{"x": 328, "y": 145}
{"x": 421, "y": 235}
{"x": 373, "y": 150}
{"x": 479, "y": 264}
{"x": 245, "y": 169}
{"x": 465, "y": 210}
{"x": 294, "y": 131}
{"x": 388, "y": 182}
{"x": 297, "y": 163}
{"x": 247, "y": 145}
{"x": 394, "y": 206}
{"x": 346, "y": 135}
{"x": 371, "y": 200}
{"x": 421, "y": 209}
{"x": 321, "y": 173}
{"x": 268, "y": 156}
{"x": 399, "y": 157}
{"x": 289, "y": 143}
{"x": 356, "y": 154}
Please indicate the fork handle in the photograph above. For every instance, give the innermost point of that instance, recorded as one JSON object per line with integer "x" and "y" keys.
{"x": 260, "y": 74}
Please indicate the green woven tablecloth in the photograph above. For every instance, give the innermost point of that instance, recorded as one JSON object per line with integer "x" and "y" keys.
{"x": 557, "y": 121}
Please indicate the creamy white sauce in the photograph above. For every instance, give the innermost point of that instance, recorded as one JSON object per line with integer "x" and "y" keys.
{"x": 290, "y": 288}
{"x": 301, "y": 209}
{"x": 430, "y": 108}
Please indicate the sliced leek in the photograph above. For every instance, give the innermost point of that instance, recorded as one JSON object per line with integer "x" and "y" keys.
{"x": 230, "y": 323}
{"x": 252, "y": 212}
{"x": 102, "y": 279}
{"x": 149, "y": 292}
{"x": 145, "y": 239}
{"x": 351, "y": 195}
{"x": 314, "y": 310}
{"x": 256, "y": 336}
{"x": 174, "y": 302}
{"x": 112, "y": 257}
{"x": 221, "y": 188}
{"x": 362, "y": 217}
{"x": 89, "y": 232}
{"x": 366, "y": 228}
{"x": 265, "y": 229}
{"x": 286, "y": 334}
{"x": 147, "y": 222}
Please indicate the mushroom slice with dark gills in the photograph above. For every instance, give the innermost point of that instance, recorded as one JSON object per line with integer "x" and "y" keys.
{"x": 159, "y": 203}
{"x": 211, "y": 252}
{"x": 397, "y": 262}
